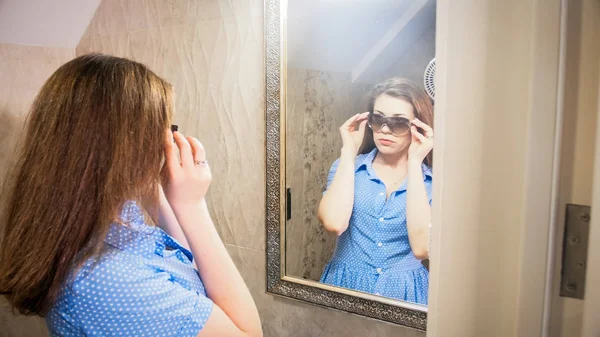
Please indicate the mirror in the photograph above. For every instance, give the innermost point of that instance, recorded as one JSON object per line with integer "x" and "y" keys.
{"x": 349, "y": 139}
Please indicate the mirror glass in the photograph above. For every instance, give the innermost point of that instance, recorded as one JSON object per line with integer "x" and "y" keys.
{"x": 359, "y": 135}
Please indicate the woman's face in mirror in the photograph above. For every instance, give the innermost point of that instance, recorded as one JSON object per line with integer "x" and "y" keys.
{"x": 389, "y": 140}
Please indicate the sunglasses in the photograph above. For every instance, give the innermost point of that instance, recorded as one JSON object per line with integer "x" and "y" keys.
{"x": 397, "y": 125}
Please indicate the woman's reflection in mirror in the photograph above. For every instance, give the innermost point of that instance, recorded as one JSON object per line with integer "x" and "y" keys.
{"x": 378, "y": 195}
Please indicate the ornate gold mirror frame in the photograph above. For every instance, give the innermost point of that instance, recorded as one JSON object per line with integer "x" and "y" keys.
{"x": 403, "y": 313}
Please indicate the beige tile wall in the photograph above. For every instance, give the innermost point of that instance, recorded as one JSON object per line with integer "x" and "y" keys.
{"x": 23, "y": 70}
{"x": 318, "y": 103}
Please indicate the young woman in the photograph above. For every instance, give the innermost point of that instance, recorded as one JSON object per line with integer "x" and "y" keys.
{"x": 98, "y": 165}
{"x": 378, "y": 195}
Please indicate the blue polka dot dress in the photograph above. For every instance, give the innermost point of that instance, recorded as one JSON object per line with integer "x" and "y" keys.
{"x": 373, "y": 255}
{"x": 145, "y": 285}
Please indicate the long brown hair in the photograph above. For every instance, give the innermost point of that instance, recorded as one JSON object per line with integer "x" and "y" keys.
{"x": 94, "y": 139}
{"x": 405, "y": 90}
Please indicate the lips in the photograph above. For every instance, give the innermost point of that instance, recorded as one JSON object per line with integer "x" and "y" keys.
{"x": 385, "y": 141}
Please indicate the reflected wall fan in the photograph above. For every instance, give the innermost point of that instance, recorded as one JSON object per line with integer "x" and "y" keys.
{"x": 429, "y": 79}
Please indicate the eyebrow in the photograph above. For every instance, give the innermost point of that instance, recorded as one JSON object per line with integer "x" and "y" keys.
{"x": 394, "y": 115}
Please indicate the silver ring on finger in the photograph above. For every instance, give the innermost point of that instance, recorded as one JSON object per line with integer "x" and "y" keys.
{"x": 201, "y": 162}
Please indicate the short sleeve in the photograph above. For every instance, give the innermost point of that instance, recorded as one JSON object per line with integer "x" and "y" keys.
{"x": 130, "y": 300}
{"x": 429, "y": 188}
{"x": 331, "y": 174}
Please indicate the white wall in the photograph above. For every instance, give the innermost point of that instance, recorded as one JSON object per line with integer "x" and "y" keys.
{"x": 577, "y": 169}
{"x": 52, "y": 23}
{"x": 495, "y": 60}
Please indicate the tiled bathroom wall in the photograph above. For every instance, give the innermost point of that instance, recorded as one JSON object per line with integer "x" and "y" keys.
{"x": 23, "y": 70}
{"x": 318, "y": 103}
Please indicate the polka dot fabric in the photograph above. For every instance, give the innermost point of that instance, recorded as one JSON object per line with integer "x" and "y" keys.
{"x": 145, "y": 285}
{"x": 373, "y": 255}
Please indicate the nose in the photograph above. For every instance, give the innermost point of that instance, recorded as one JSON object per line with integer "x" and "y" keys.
{"x": 385, "y": 128}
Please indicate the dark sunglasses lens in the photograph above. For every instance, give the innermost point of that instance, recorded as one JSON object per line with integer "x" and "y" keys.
{"x": 376, "y": 121}
{"x": 398, "y": 125}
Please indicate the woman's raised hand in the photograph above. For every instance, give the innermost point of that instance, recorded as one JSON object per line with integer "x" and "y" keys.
{"x": 353, "y": 131}
{"x": 187, "y": 176}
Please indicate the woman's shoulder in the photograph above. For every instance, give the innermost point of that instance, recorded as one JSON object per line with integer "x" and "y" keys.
{"x": 119, "y": 285}
{"x": 112, "y": 265}
{"x": 94, "y": 273}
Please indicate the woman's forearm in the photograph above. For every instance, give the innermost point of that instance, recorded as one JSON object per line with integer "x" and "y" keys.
{"x": 335, "y": 208}
{"x": 224, "y": 284}
{"x": 168, "y": 222}
{"x": 418, "y": 211}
